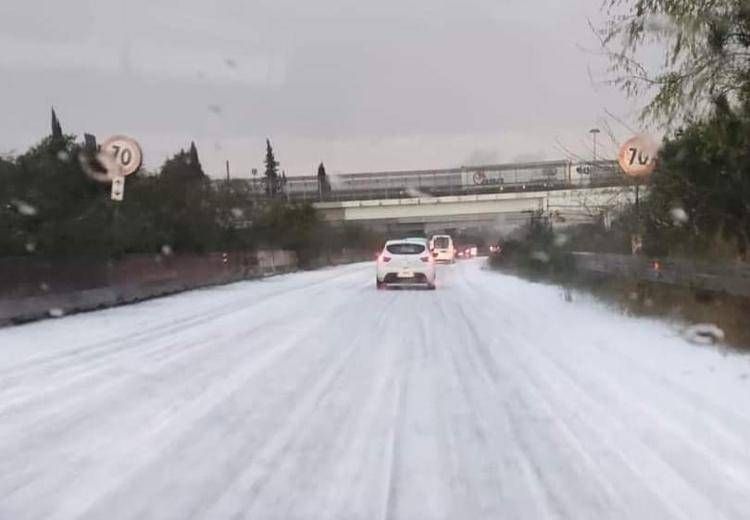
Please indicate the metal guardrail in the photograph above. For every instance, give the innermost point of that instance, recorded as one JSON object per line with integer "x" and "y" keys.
{"x": 37, "y": 289}
{"x": 719, "y": 277}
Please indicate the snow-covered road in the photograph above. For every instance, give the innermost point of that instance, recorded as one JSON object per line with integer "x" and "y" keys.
{"x": 314, "y": 396}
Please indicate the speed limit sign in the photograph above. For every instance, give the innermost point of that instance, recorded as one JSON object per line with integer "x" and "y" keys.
{"x": 126, "y": 152}
{"x": 122, "y": 156}
{"x": 637, "y": 156}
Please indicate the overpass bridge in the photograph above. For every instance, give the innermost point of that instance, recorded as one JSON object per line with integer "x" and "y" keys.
{"x": 564, "y": 206}
{"x": 463, "y": 197}
{"x": 464, "y": 180}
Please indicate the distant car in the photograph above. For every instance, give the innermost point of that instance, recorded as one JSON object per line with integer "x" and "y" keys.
{"x": 405, "y": 263}
{"x": 443, "y": 249}
{"x": 467, "y": 251}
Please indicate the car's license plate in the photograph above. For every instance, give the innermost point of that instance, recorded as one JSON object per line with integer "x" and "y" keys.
{"x": 406, "y": 274}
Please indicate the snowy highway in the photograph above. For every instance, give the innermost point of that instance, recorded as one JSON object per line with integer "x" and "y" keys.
{"x": 314, "y": 396}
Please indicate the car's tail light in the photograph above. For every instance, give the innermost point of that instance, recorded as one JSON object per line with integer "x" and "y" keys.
{"x": 385, "y": 258}
{"x": 426, "y": 258}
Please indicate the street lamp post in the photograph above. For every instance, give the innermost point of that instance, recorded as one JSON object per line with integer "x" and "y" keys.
{"x": 593, "y": 133}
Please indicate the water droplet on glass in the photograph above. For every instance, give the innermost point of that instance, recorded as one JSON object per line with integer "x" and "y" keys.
{"x": 541, "y": 256}
{"x": 237, "y": 213}
{"x": 44, "y": 287}
{"x": 166, "y": 250}
{"x": 415, "y": 193}
{"x": 63, "y": 156}
{"x": 30, "y": 247}
{"x": 24, "y": 208}
{"x": 56, "y": 312}
{"x": 678, "y": 216}
{"x": 216, "y": 109}
{"x": 231, "y": 63}
{"x": 560, "y": 239}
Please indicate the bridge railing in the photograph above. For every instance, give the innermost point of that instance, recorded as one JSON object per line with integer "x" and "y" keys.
{"x": 406, "y": 192}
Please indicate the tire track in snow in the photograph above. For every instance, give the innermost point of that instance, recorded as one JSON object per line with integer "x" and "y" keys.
{"x": 691, "y": 502}
{"x": 94, "y": 350}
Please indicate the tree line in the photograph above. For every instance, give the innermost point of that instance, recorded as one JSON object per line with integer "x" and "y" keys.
{"x": 698, "y": 201}
{"x": 50, "y": 207}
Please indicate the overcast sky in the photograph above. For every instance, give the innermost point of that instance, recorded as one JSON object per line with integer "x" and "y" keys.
{"x": 362, "y": 86}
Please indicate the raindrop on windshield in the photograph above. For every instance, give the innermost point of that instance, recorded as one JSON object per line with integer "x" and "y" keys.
{"x": 679, "y": 216}
{"x": 415, "y": 193}
{"x": 56, "y": 312}
{"x": 24, "y": 208}
{"x": 560, "y": 239}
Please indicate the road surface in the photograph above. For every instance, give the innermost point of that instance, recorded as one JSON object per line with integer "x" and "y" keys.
{"x": 314, "y": 396}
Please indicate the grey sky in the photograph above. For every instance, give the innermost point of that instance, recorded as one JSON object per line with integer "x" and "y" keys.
{"x": 360, "y": 85}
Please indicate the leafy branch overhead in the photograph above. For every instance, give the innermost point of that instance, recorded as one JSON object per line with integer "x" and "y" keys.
{"x": 705, "y": 49}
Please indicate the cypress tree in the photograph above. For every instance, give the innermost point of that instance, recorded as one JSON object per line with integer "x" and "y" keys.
{"x": 271, "y": 172}
{"x": 57, "y": 133}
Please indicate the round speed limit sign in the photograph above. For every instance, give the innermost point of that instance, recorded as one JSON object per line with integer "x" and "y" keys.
{"x": 126, "y": 151}
{"x": 637, "y": 156}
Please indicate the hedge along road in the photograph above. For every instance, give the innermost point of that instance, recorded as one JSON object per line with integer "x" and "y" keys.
{"x": 312, "y": 395}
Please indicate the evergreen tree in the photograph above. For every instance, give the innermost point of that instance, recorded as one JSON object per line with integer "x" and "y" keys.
{"x": 704, "y": 174}
{"x": 323, "y": 185}
{"x": 57, "y": 133}
{"x": 193, "y": 156}
{"x": 272, "y": 171}
{"x": 184, "y": 166}
{"x": 57, "y": 200}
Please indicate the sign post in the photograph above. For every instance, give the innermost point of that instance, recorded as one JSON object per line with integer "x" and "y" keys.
{"x": 120, "y": 156}
{"x": 118, "y": 188}
{"x": 637, "y": 158}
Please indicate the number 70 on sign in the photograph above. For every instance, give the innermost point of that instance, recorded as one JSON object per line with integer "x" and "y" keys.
{"x": 128, "y": 158}
{"x": 637, "y": 156}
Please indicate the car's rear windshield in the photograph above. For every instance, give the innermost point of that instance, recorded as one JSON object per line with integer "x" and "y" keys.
{"x": 405, "y": 249}
{"x": 442, "y": 242}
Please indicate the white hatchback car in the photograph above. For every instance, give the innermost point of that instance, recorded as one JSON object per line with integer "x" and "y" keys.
{"x": 407, "y": 263}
